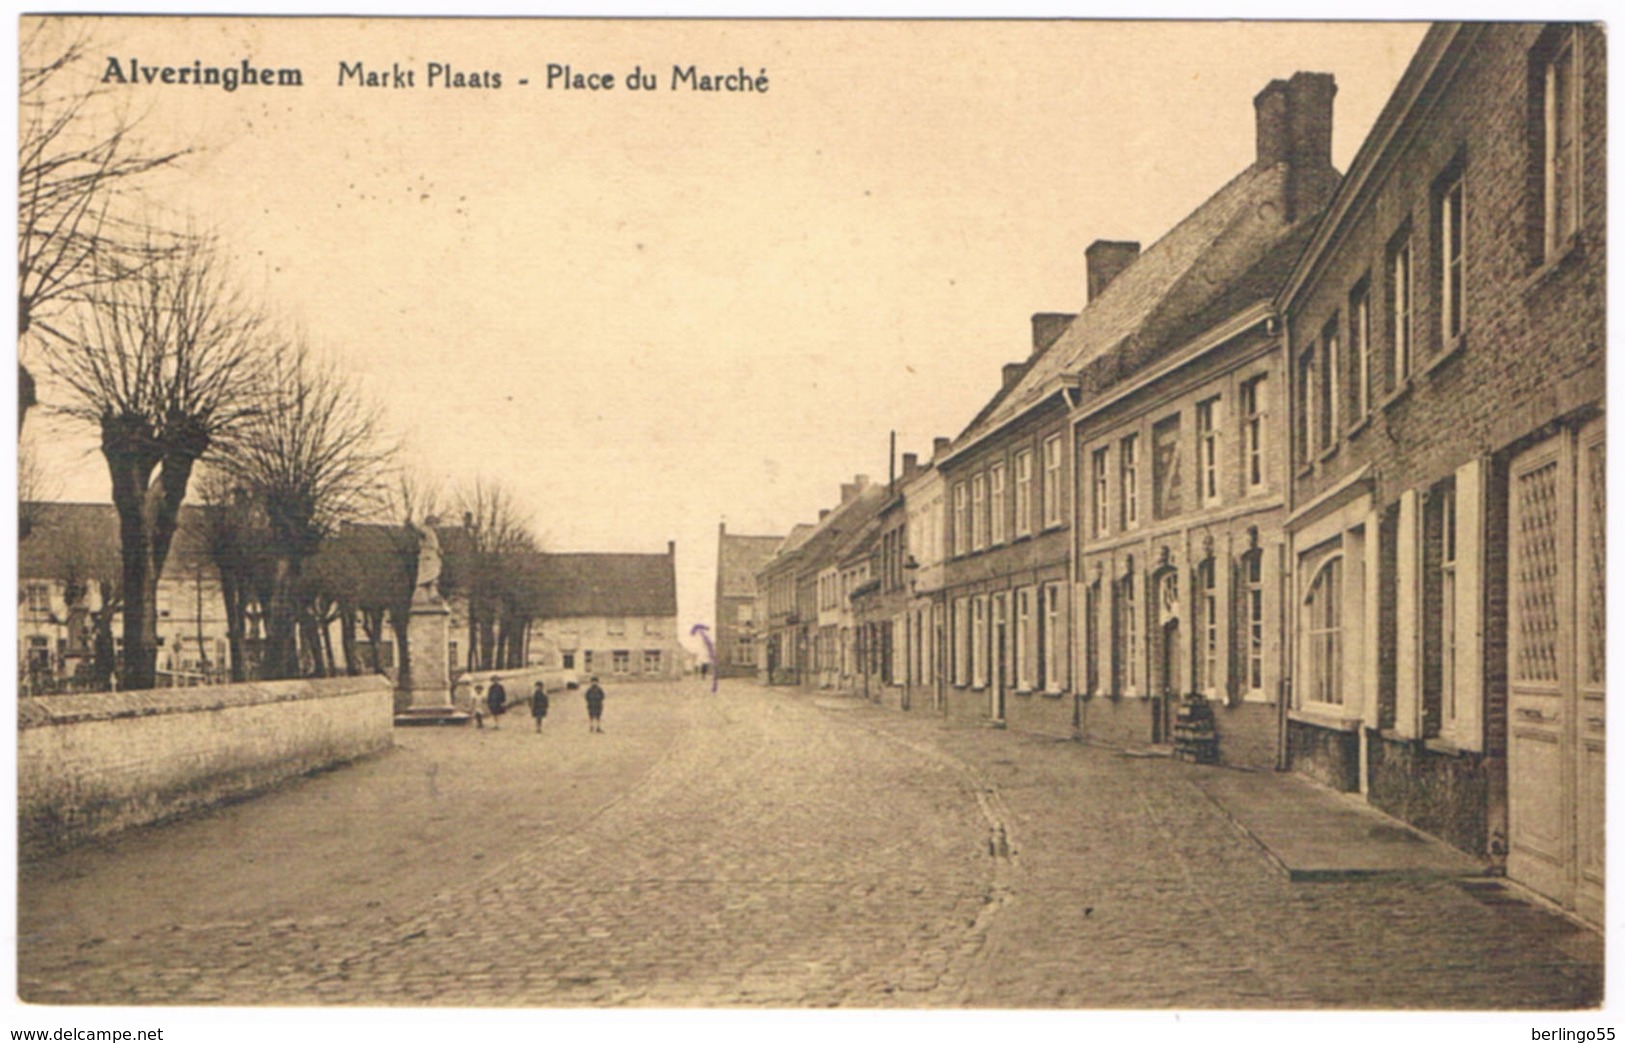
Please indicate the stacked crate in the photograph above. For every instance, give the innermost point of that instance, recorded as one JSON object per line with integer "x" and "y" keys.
{"x": 1195, "y": 738}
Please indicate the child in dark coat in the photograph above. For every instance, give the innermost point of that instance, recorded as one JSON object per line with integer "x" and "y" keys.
{"x": 538, "y": 705}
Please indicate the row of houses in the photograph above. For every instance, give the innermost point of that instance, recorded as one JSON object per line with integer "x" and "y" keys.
{"x": 1328, "y": 455}
{"x": 613, "y": 614}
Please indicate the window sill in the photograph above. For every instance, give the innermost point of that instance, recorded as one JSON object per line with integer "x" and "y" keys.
{"x": 1052, "y": 694}
{"x": 1306, "y": 471}
{"x": 1397, "y": 396}
{"x": 1444, "y": 354}
{"x": 1329, "y": 452}
{"x": 1566, "y": 256}
{"x": 1054, "y": 526}
{"x": 1358, "y": 427}
{"x": 1024, "y": 691}
{"x": 1329, "y": 718}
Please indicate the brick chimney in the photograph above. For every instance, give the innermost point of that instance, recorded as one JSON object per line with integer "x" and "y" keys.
{"x": 848, "y": 490}
{"x": 671, "y": 548}
{"x": 911, "y": 465}
{"x": 823, "y": 512}
{"x": 1048, "y": 327}
{"x": 1294, "y": 121}
{"x": 1013, "y": 372}
{"x": 1105, "y": 260}
{"x": 939, "y": 446}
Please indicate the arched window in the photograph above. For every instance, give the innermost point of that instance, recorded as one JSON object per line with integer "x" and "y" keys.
{"x": 1128, "y": 637}
{"x": 1207, "y": 627}
{"x": 1323, "y": 614}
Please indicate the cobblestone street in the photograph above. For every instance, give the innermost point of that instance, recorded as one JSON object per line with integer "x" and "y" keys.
{"x": 758, "y": 848}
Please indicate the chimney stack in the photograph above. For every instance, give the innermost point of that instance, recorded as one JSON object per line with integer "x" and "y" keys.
{"x": 939, "y": 447}
{"x": 911, "y": 464}
{"x": 1105, "y": 260}
{"x": 671, "y": 548}
{"x": 823, "y": 512}
{"x": 468, "y": 519}
{"x": 1013, "y": 372}
{"x": 1048, "y": 327}
{"x": 1294, "y": 126}
{"x": 848, "y": 490}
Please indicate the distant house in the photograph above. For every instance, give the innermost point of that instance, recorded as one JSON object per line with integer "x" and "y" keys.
{"x": 613, "y": 615}
{"x": 736, "y": 633}
{"x": 68, "y": 566}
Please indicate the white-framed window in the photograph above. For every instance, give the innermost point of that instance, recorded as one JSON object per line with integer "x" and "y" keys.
{"x": 1024, "y": 493}
{"x": 978, "y": 512}
{"x": 1560, "y": 139}
{"x": 1360, "y": 348}
{"x": 1052, "y": 480}
{"x": 1207, "y": 449}
{"x": 1253, "y": 406}
{"x": 1252, "y": 574}
{"x": 995, "y": 503}
{"x": 622, "y": 660}
{"x": 1448, "y": 612}
{"x": 961, "y": 519}
{"x": 1207, "y": 622}
{"x": 1129, "y": 479}
{"x": 1399, "y": 297}
{"x": 978, "y": 651}
{"x": 1098, "y": 466}
{"x": 1323, "y": 633}
{"x": 1025, "y": 648}
{"x": 1306, "y": 403}
{"x": 1053, "y": 637}
{"x": 39, "y": 598}
{"x": 651, "y": 660}
{"x": 1452, "y": 268}
{"x": 1127, "y": 630}
{"x": 1330, "y": 362}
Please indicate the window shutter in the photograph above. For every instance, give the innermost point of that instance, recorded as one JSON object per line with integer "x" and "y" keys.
{"x": 1469, "y": 605}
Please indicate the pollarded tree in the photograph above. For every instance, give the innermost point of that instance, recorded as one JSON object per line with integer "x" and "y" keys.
{"x": 162, "y": 361}
{"x": 497, "y": 539}
{"x": 310, "y": 457}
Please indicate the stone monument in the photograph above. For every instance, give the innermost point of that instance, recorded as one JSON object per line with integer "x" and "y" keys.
{"x": 427, "y": 677}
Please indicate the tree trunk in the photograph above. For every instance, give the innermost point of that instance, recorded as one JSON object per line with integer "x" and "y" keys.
{"x": 105, "y": 660}
{"x": 282, "y": 622}
{"x": 473, "y": 636}
{"x": 347, "y": 640}
{"x": 400, "y": 620}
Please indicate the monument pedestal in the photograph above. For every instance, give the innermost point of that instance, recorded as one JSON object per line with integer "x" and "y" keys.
{"x": 427, "y": 678}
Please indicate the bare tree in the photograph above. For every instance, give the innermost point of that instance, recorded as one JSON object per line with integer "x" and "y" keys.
{"x": 75, "y": 159}
{"x": 161, "y": 362}
{"x": 414, "y": 497}
{"x": 82, "y": 556}
{"x": 498, "y": 539}
{"x": 311, "y": 457}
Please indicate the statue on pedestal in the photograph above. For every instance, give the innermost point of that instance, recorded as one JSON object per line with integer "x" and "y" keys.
{"x": 425, "y": 587}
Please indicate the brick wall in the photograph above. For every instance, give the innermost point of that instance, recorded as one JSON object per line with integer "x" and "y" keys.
{"x": 1445, "y": 794}
{"x": 90, "y": 765}
{"x": 1327, "y": 756}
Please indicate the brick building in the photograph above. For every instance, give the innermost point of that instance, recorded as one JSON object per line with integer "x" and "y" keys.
{"x": 926, "y": 645}
{"x": 1446, "y": 335}
{"x": 735, "y": 633}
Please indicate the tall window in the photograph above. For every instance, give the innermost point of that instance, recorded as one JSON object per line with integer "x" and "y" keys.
{"x": 651, "y": 660}
{"x": 622, "y": 661}
{"x": 961, "y": 641}
{"x": 1324, "y": 609}
{"x": 39, "y": 598}
{"x": 1447, "y": 584}
{"x": 1560, "y": 140}
{"x": 978, "y": 651}
{"x": 1207, "y": 449}
{"x": 978, "y": 512}
{"x": 961, "y": 519}
{"x": 1207, "y": 604}
{"x": 1129, "y": 460}
{"x": 1024, "y": 639}
{"x": 1052, "y": 480}
{"x": 1053, "y": 667}
{"x": 1252, "y": 571}
{"x": 1167, "y": 488}
{"x": 1360, "y": 349}
{"x": 1252, "y": 430}
{"x": 1128, "y": 636}
{"x": 1024, "y": 493}
{"x": 1306, "y": 400}
{"x": 1098, "y": 466}
{"x": 1399, "y": 296}
{"x": 995, "y": 502}
{"x": 1329, "y": 364}
{"x": 1452, "y": 214}
{"x": 1091, "y": 638}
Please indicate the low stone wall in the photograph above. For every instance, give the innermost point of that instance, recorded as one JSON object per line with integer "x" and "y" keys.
{"x": 90, "y": 765}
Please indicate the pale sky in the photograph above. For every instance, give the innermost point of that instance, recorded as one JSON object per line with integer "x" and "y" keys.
{"x": 646, "y": 312}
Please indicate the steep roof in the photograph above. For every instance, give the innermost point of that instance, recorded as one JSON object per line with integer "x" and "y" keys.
{"x": 739, "y": 558}
{"x": 1154, "y": 300}
{"x": 607, "y": 585}
{"x": 65, "y": 534}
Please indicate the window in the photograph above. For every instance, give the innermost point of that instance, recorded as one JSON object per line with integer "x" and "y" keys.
{"x": 978, "y": 512}
{"x": 586, "y": 661}
{"x": 39, "y": 598}
{"x": 1447, "y": 609}
{"x": 1129, "y": 480}
{"x": 1052, "y": 480}
{"x": 651, "y": 660}
{"x": 1324, "y": 611}
{"x": 616, "y": 627}
{"x": 1451, "y": 209}
{"x": 652, "y": 627}
{"x": 1024, "y": 640}
{"x": 1306, "y": 399}
{"x": 1098, "y": 465}
{"x": 978, "y": 651}
{"x": 622, "y": 661}
{"x": 1167, "y": 493}
{"x": 1359, "y": 350}
{"x": 961, "y": 519}
{"x": 1207, "y": 450}
{"x": 1207, "y": 606}
{"x": 1559, "y": 88}
{"x": 1329, "y": 361}
{"x": 1252, "y": 431}
{"x": 995, "y": 500}
{"x": 1053, "y": 667}
{"x": 1252, "y": 573}
{"x": 569, "y": 660}
{"x": 1128, "y": 637}
{"x": 961, "y": 642}
{"x": 745, "y": 614}
{"x": 1024, "y": 493}
{"x": 1091, "y": 638}
{"x": 1399, "y": 295}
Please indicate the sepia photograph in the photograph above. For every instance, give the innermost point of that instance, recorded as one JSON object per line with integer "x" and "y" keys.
{"x": 775, "y": 514}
